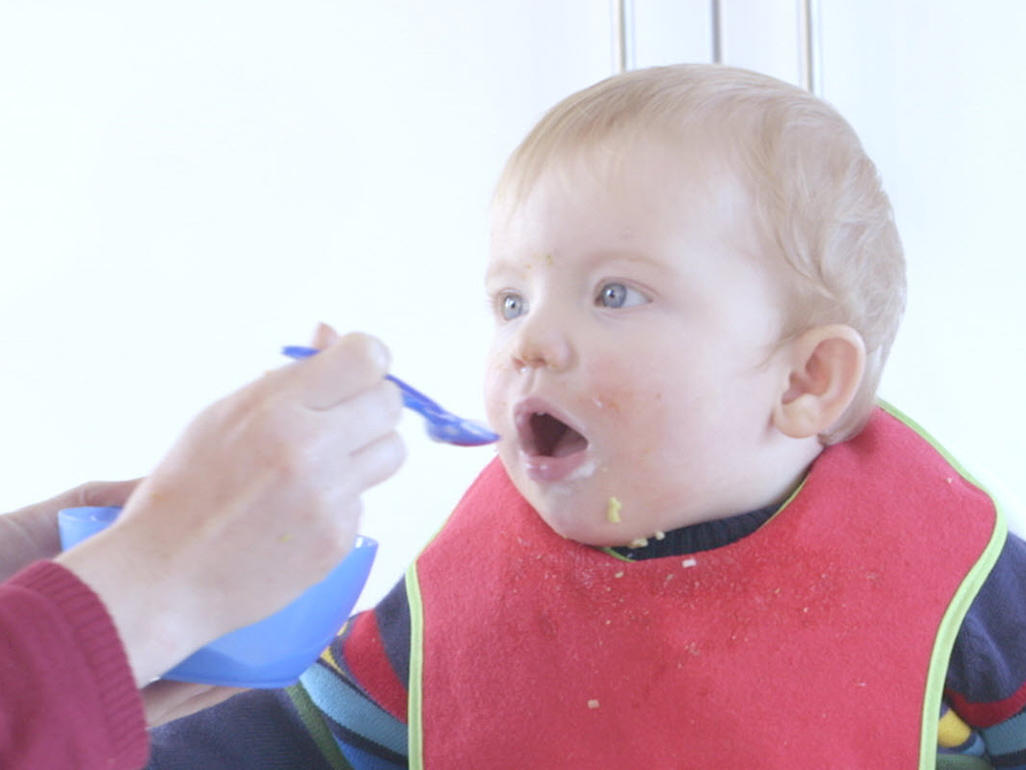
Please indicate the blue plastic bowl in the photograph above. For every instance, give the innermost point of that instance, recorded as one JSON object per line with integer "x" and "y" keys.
{"x": 272, "y": 652}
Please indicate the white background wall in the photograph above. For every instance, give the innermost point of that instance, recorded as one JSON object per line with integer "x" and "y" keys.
{"x": 185, "y": 187}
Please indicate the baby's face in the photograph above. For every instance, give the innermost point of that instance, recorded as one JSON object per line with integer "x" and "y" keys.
{"x": 633, "y": 355}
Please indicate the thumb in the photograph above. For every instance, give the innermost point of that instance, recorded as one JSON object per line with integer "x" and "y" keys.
{"x": 323, "y": 336}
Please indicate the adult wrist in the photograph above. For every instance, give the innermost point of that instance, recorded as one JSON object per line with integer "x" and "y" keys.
{"x": 156, "y": 612}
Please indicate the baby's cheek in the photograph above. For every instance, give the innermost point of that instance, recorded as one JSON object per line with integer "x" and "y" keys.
{"x": 618, "y": 392}
{"x": 495, "y": 395}
{"x": 635, "y": 415}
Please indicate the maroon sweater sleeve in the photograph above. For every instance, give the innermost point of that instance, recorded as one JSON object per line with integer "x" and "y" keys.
{"x": 67, "y": 695}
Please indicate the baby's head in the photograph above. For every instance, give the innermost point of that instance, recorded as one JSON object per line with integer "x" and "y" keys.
{"x": 742, "y": 281}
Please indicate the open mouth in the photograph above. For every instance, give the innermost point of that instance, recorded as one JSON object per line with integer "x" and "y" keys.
{"x": 546, "y": 436}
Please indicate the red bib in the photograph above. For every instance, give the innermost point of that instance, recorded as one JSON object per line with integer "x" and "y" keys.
{"x": 821, "y": 640}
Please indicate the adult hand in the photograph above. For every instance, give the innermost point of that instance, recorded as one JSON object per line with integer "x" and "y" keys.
{"x": 166, "y": 700}
{"x": 259, "y": 499}
{"x": 30, "y": 533}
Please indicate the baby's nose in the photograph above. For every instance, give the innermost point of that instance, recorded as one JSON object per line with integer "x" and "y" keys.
{"x": 541, "y": 345}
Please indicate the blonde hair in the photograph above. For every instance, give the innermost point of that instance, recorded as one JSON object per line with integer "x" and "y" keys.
{"x": 819, "y": 205}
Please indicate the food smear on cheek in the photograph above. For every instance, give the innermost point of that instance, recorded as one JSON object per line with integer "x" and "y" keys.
{"x": 608, "y": 391}
{"x": 607, "y": 401}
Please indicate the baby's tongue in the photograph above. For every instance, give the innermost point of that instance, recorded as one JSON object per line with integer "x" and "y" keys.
{"x": 571, "y": 441}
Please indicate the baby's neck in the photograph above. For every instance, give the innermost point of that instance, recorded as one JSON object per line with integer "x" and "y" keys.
{"x": 695, "y": 538}
{"x": 768, "y": 493}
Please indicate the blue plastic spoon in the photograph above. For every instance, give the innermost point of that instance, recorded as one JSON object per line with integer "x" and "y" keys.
{"x": 441, "y": 424}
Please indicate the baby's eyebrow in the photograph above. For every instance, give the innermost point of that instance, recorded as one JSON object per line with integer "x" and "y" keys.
{"x": 628, "y": 257}
{"x": 503, "y": 266}
{"x": 490, "y": 275}
{"x": 509, "y": 266}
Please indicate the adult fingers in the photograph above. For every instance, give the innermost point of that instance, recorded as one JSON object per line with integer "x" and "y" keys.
{"x": 36, "y": 525}
{"x": 90, "y": 493}
{"x": 363, "y": 469}
{"x": 376, "y": 461}
{"x": 340, "y": 371}
{"x": 359, "y": 420}
{"x": 358, "y": 449}
{"x": 104, "y": 492}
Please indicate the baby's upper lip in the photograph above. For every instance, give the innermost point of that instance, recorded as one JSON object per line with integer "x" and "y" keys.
{"x": 528, "y": 408}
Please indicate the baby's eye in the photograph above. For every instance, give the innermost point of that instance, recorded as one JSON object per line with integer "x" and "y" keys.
{"x": 510, "y": 305}
{"x": 617, "y": 295}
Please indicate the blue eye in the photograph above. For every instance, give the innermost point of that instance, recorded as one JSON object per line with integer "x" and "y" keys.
{"x": 616, "y": 295}
{"x": 511, "y": 305}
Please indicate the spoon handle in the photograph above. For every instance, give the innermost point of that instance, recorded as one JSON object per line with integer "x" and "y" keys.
{"x": 412, "y": 398}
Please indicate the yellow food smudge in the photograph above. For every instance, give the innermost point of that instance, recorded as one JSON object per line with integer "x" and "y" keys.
{"x": 613, "y": 510}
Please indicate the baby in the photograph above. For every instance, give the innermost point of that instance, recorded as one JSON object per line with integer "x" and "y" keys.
{"x": 703, "y": 544}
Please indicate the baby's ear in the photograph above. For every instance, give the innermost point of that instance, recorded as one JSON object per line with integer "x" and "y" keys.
{"x": 826, "y": 367}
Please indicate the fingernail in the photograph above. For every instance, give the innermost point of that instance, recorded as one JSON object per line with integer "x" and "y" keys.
{"x": 379, "y": 353}
{"x": 324, "y": 335}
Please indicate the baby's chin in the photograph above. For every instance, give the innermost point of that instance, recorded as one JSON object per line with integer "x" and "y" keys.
{"x": 576, "y": 513}
{"x": 599, "y": 534}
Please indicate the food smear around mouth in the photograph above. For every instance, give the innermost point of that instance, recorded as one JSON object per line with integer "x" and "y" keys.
{"x": 583, "y": 471}
{"x": 546, "y": 470}
{"x": 613, "y": 510}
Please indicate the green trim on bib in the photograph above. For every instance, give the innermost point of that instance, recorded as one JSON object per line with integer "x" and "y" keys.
{"x": 415, "y": 685}
{"x": 314, "y": 723}
{"x": 959, "y": 606}
{"x": 615, "y": 554}
{"x": 961, "y": 762}
{"x": 415, "y": 729}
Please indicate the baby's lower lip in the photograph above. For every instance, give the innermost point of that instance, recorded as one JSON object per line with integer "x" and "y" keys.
{"x": 546, "y": 468}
